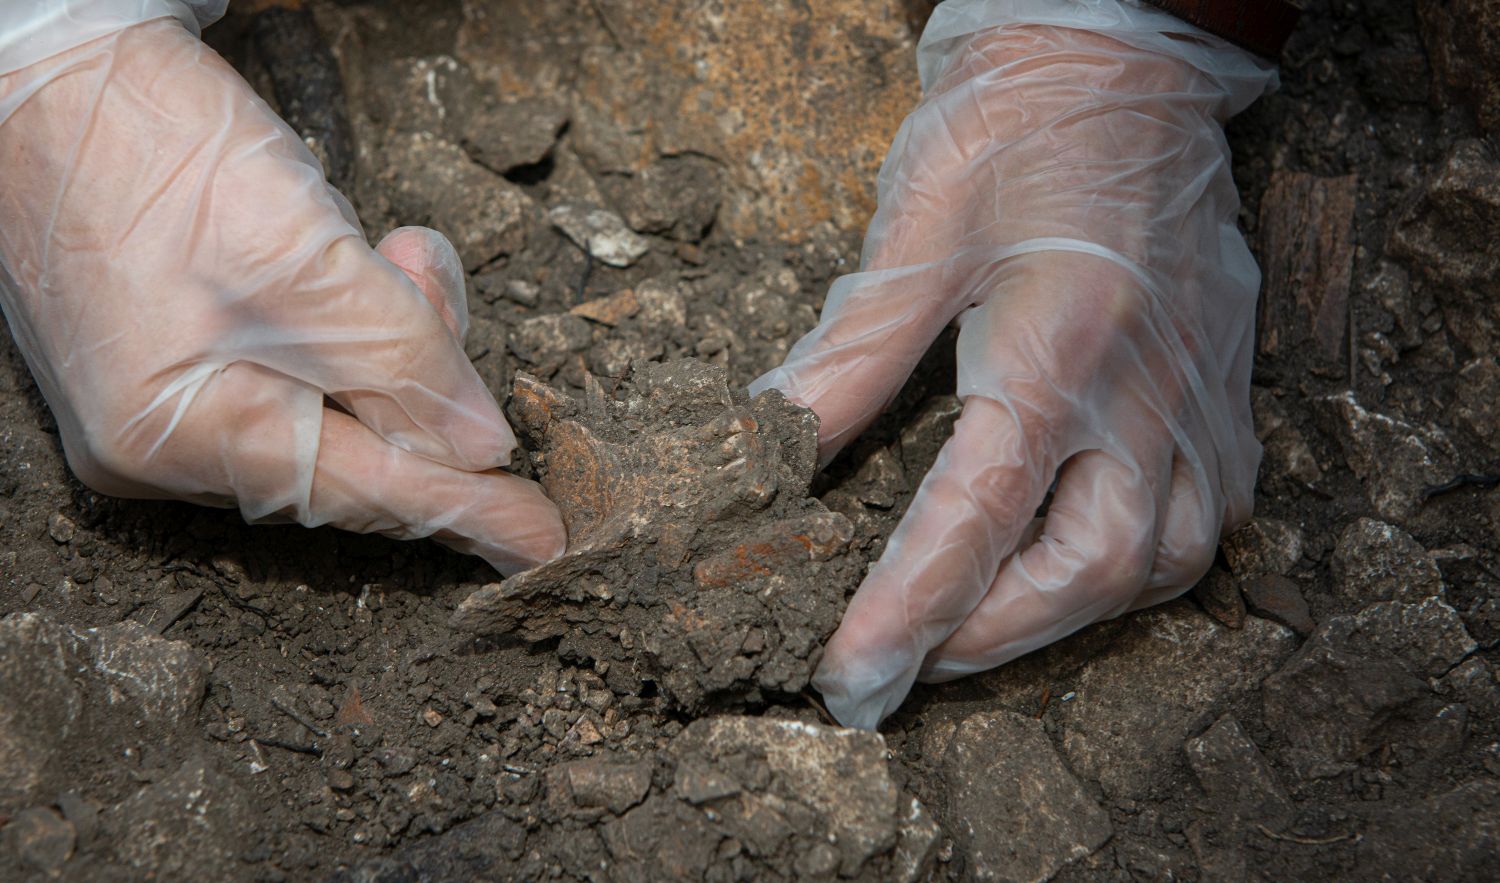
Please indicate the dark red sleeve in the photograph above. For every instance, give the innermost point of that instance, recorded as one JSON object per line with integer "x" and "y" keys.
{"x": 1261, "y": 26}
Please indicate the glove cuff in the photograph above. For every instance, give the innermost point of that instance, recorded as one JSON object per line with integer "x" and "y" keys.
{"x": 32, "y": 32}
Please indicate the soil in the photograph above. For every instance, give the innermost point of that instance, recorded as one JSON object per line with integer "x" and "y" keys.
{"x": 184, "y": 694}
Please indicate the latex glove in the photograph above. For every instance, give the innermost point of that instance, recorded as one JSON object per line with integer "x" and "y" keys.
{"x": 187, "y": 289}
{"x": 1063, "y": 192}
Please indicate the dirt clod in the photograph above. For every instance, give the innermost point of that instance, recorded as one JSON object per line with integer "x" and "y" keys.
{"x": 696, "y": 560}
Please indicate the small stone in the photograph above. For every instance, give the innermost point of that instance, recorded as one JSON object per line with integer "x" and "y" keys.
{"x": 1219, "y": 595}
{"x": 613, "y": 786}
{"x": 527, "y": 294}
{"x": 61, "y": 528}
{"x": 431, "y": 717}
{"x": 586, "y": 732}
{"x": 340, "y": 780}
{"x": 1375, "y": 561}
{"x": 601, "y": 233}
{"x": 610, "y": 310}
{"x": 1279, "y": 599}
{"x": 546, "y": 342}
{"x": 41, "y": 838}
{"x": 1263, "y": 546}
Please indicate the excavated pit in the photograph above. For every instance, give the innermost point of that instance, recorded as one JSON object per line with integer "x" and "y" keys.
{"x": 696, "y": 560}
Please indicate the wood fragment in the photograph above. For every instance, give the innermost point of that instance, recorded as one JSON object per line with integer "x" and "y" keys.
{"x": 1306, "y": 250}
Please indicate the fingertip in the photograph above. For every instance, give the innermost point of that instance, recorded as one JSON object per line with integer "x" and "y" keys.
{"x": 432, "y": 263}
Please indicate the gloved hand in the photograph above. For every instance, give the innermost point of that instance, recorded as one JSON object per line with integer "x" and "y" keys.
{"x": 1063, "y": 192}
{"x": 187, "y": 290}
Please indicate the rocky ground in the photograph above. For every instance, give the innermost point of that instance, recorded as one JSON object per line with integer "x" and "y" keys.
{"x": 634, "y": 185}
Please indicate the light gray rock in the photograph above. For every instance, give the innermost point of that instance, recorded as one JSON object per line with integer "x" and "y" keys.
{"x": 1164, "y": 677}
{"x": 1395, "y": 460}
{"x": 1018, "y": 812}
{"x": 1427, "y": 636}
{"x": 601, "y": 233}
{"x": 1375, "y": 561}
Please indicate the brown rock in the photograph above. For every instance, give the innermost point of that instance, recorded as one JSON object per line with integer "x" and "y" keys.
{"x": 610, "y": 310}
{"x": 798, "y": 101}
{"x": 1278, "y": 599}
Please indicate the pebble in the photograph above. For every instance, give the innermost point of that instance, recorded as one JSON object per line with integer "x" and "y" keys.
{"x": 340, "y": 780}
{"x": 431, "y": 717}
{"x": 61, "y": 528}
{"x": 601, "y": 233}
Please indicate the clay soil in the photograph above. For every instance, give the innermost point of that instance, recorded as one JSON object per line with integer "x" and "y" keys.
{"x": 329, "y": 706}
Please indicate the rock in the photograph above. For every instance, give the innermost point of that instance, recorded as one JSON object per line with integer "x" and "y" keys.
{"x": 1396, "y": 461}
{"x": 1166, "y": 674}
{"x": 1427, "y": 636}
{"x": 1278, "y": 599}
{"x": 1375, "y": 561}
{"x": 190, "y": 825}
{"x": 1462, "y": 38}
{"x": 1361, "y": 681}
{"x": 42, "y": 706}
{"x": 797, "y": 101}
{"x": 595, "y": 783}
{"x": 677, "y": 196}
{"x": 1264, "y": 546}
{"x": 1234, "y": 775}
{"x": 1019, "y": 813}
{"x": 1329, "y": 704}
{"x": 504, "y": 136}
{"x": 1453, "y": 836}
{"x": 1286, "y": 449}
{"x": 610, "y": 310}
{"x": 1447, "y": 237}
{"x": 93, "y": 692}
{"x": 545, "y": 343}
{"x": 432, "y": 181}
{"x": 40, "y": 838}
{"x": 696, "y": 560}
{"x": 880, "y": 479}
{"x": 1306, "y": 252}
{"x": 831, "y": 786}
{"x": 600, "y": 233}
{"x": 148, "y": 675}
{"x": 1479, "y": 397}
{"x": 1219, "y": 595}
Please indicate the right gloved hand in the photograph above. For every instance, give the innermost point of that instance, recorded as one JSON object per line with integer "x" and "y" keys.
{"x": 189, "y": 294}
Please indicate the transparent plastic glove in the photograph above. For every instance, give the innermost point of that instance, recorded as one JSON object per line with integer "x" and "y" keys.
{"x": 1063, "y": 192}
{"x": 208, "y": 323}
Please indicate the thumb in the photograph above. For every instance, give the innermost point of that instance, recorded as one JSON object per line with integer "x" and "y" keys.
{"x": 364, "y": 484}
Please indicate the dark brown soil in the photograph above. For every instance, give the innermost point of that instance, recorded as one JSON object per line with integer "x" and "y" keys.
{"x": 1324, "y": 706}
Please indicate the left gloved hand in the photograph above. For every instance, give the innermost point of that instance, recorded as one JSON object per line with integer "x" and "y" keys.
{"x": 1063, "y": 192}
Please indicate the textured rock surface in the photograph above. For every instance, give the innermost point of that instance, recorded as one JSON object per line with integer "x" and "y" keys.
{"x": 60, "y": 688}
{"x": 1020, "y": 813}
{"x": 1168, "y": 673}
{"x": 695, "y": 558}
{"x": 729, "y": 797}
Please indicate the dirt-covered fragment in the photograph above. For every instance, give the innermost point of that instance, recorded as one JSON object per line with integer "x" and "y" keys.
{"x": 696, "y": 559}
